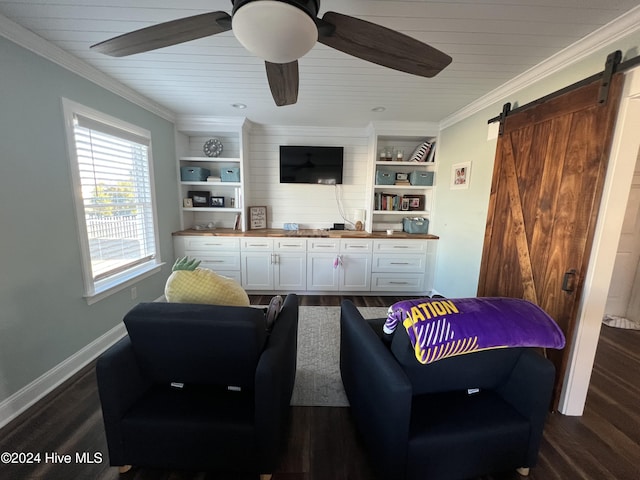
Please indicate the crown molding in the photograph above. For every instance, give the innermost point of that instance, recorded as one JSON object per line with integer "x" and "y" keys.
{"x": 622, "y": 26}
{"x": 38, "y": 45}
{"x": 402, "y": 128}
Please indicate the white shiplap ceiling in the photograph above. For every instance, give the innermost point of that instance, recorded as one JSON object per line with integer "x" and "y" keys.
{"x": 491, "y": 42}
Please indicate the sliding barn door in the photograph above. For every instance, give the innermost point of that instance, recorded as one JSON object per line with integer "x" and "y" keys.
{"x": 545, "y": 194}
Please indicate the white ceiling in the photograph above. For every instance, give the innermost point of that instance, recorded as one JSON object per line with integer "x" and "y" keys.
{"x": 491, "y": 42}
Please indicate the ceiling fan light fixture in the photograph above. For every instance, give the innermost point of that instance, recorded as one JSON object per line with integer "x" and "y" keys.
{"x": 274, "y": 31}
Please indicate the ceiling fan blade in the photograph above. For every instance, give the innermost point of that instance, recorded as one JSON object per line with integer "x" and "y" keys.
{"x": 283, "y": 81}
{"x": 165, "y": 34}
{"x": 381, "y": 45}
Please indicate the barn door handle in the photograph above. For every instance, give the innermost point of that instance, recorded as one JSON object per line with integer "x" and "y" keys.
{"x": 565, "y": 282}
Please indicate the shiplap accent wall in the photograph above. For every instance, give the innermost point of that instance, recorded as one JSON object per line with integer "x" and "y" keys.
{"x": 311, "y": 206}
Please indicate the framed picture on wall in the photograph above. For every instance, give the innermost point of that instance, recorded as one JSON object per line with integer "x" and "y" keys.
{"x": 257, "y": 218}
{"x": 460, "y": 175}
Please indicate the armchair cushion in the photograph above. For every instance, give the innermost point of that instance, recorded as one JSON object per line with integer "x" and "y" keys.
{"x": 187, "y": 423}
{"x": 445, "y": 424}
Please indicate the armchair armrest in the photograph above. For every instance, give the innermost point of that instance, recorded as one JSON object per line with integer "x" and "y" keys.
{"x": 120, "y": 384}
{"x": 528, "y": 389}
{"x": 378, "y": 390}
{"x": 275, "y": 376}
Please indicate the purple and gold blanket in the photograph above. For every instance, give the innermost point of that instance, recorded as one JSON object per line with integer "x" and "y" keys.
{"x": 439, "y": 328}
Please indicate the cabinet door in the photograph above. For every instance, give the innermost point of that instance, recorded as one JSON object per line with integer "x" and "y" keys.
{"x": 257, "y": 270}
{"x": 321, "y": 272}
{"x": 290, "y": 271}
{"x": 355, "y": 272}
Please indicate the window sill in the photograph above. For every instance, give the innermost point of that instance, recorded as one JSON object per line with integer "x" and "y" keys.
{"x": 108, "y": 287}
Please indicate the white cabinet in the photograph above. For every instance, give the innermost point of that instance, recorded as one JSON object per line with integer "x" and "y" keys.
{"x": 322, "y": 259}
{"x": 220, "y": 254}
{"x": 224, "y": 194}
{"x": 339, "y": 265}
{"x": 355, "y": 265}
{"x": 257, "y": 260}
{"x": 393, "y": 199}
{"x": 290, "y": 264}
{"x": 269, "y": 264}
{"x": 315, "y": 265}
{"x": 403, "y": 265}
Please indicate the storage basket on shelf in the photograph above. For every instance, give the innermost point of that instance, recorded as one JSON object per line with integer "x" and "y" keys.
{"x": 231, "y": 174}
{"x": 415, "y": 225}
{"x": 421, "y": 178}
{"x": 385, "y": 178}
{"x": 194, "y": 174}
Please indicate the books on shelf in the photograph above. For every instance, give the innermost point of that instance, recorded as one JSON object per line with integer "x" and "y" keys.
{"x": 393, "y": 202}
{"x": 387, "y": 201}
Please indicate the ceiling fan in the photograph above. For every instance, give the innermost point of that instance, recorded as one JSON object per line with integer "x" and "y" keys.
{"x": 282, "y": 31}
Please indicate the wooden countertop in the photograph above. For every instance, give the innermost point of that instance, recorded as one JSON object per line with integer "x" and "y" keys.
{"x": 303, "y": 233}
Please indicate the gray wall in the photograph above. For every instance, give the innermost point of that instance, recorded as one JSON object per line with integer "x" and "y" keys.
{"x": 43, "y": 317}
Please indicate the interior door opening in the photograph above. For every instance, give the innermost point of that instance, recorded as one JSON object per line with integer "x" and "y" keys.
{"x": 623, "y": 301}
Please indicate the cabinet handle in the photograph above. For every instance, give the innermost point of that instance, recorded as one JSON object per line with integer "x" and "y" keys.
{"x": 399, "y": 263}
{"x": 213, "y": 244}
{"x": 398, "y": 283}
{"x": 257, "y": 245}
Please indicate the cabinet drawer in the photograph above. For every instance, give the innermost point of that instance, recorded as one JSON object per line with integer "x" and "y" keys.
{"x": 290, "y": 245}
{"x": 407, "y": 282}
{"x": 323, "y": 245}
{"x": 399, "y": 263}
{"x": 220, "y": 262}
{"x": 211, "y": 243}
{"x": 257, "y": 244}
{"x": 400, "y": 246}
{"x": 356, "y": 245}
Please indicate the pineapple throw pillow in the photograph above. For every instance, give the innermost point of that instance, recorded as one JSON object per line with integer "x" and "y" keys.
{"x": 188, "y": 283}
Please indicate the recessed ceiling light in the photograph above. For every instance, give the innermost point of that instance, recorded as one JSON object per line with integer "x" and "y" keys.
{"x": 378, "y": 109}
{"x": 238, "y": 105}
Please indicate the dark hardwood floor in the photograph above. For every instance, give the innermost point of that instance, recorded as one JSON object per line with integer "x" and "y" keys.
{"x": 604, "y": 443}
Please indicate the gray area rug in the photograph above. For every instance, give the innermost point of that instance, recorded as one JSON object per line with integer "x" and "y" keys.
{"x": 318, "y": 381}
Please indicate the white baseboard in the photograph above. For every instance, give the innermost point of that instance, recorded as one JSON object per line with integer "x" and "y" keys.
{"x": 36, "y": 390}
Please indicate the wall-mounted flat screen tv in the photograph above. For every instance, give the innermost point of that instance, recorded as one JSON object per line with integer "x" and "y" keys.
{"x": 320, "y": 165}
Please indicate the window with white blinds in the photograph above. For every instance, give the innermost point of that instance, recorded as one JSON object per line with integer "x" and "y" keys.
{"x": 111, "y": 163}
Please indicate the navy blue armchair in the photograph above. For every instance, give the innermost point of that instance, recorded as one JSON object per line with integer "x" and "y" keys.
{"x": 456, "y": 418}
{"x": 199, "y": 387}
